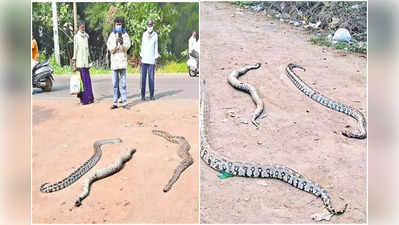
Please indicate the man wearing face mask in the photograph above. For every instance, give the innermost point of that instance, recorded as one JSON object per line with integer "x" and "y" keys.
{"x": 149, "y": 57}
{"x": 118, "y": 44}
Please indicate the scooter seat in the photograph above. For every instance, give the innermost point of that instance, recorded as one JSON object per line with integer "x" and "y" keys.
{"x": 41, "y": 64}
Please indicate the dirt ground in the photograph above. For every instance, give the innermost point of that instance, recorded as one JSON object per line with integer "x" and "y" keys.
{"x": 63, "y": 136}
{"x": 297, "y": 132}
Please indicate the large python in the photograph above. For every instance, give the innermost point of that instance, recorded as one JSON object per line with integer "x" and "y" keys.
{"x": 45, "y": 188}
{"x": 183, "y": 153}
{"x": 327, "y": 102}
{"x": 234, "y": 82}
{"x": 243, "y": 169}
{"x": 102, "y": 173}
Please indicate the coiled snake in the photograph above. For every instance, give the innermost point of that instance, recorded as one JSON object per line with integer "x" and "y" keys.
{"x": 234, "y": 82}
{"x": 183, "y": 153}
{"x": 243, "y": 169}
{"x": 105, "y": 172}
{"x": 327, "y": 102}
{"x": 45, "y": 188}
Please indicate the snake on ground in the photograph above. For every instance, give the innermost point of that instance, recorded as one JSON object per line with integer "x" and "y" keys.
{"x": 329, "y": 103}
{"x": 183, "y": 153}
{"x": 244, "y": 169}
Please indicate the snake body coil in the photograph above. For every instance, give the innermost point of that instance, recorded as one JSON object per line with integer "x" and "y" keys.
{"x": 234, "y": 82}
{"x": 183, "y": 153}
{"x": 243, "y": 169}
{"x": 45, "y": 188}
{"x": 329, "y": 103}
{"x": 102, "y": 173}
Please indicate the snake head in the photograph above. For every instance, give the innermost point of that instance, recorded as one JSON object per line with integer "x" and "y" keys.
{"x": 78, "y": 202}
{"x": 292, "y": 66}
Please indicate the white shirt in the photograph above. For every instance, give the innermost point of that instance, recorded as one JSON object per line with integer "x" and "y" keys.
{"x": 191, "y": 43}
{"x": 119, "y": 58}
{"x": 81, "y": 49}
{"x": 149, "y": 48}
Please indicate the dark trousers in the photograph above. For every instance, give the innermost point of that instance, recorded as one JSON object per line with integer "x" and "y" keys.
{"x": 147, "y": 69}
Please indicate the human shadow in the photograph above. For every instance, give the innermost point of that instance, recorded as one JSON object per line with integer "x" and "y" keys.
{"x": 56, "y": 88}
{"x": 157, "y": 96}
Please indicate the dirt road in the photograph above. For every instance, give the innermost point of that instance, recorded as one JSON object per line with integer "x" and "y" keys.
{"x": 63, "y": 136}
{"x": 297, "y": 132}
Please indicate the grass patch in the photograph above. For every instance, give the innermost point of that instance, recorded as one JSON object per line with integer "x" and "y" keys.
{"x": 356, "y": 47}
{"x": 171, "y": 67}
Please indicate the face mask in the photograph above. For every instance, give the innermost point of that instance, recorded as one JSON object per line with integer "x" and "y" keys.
{"x": 118, "y": 28}
{"x": 150, "y": 29}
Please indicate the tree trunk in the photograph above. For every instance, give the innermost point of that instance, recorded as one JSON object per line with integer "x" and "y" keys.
{"x": 55, "y": 32}
{"x": 75, "y": 17}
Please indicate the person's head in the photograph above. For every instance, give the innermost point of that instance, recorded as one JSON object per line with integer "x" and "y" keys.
{"x": 118, "y": 24}
{"x": 150, "y": 25}
{"x": 82, "y": 26}
{"x": 194, "y": 34}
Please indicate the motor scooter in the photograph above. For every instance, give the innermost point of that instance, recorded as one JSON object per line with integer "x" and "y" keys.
{"x": 42, "y": 76}
{"x": 192, "y": 63}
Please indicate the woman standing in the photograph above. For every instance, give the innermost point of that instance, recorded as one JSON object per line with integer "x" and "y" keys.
{"x": 81, "y": 63}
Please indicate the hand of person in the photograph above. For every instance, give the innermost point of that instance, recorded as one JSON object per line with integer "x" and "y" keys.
{"x": 74, "y": 66}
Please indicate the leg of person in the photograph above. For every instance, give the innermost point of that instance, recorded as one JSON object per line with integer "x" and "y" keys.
{"x": 87, "y": 94}
{"x": 88, "y": 87}
{"x": 144, "y": 68}
{"x": 115, "y": 85}
{"x": 123, "y": 87}
{"x": 80, "y": 94}
{"x": 151, "y": 80}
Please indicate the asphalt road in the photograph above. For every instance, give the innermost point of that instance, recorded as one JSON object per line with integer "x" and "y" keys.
{"x": 166, "y": 87}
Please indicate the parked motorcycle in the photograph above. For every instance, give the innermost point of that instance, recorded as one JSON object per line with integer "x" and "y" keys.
{"x": 42, "y": 76}
{"x": 192, "y": 64}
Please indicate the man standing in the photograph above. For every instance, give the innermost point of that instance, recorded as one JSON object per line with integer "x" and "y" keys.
{"x": 81, "y": 62}
{"x": 118, "y": 44}
{"x": 193, "y": 47}
{"x": 149, "y": 57}
{"x": 35, "y": 50}
{"x": 35, "y": 53}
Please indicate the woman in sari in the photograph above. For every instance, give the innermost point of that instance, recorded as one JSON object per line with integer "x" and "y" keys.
{"x": 81, "y": 64}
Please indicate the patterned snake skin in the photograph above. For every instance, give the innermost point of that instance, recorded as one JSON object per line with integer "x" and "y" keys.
{"x": 316, "y": 96}
{"x": 103, "y": 173}
{"x": 285, "y": 174}
{"x": 45, "y": 188}
{"x": 234, "y": 82}
{"x": 183, "y": 153}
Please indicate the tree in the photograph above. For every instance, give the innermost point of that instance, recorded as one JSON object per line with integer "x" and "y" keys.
{"x": 174, "y": 23}
{"x": 55, "y": 32}
{"x": 75, "y": 18}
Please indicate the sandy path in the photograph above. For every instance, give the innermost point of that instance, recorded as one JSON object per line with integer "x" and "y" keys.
{"x": 297, "y": 132}
{"x": 63, "y": 135}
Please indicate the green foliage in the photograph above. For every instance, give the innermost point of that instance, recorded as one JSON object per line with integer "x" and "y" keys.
{"x": 42, "y": 29}
{"x": 173, "y": 22}
{"x": 174, "y": 67}
{"x": 170, "y": 67}
{"x": 352, "y": 47}
{"x": 186, "y": 21}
